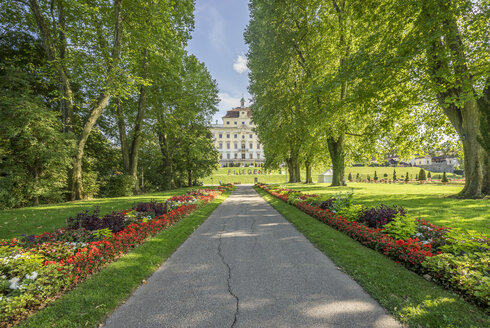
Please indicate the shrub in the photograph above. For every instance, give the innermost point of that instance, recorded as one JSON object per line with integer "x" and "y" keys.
{"x": 444, "y": 177}
{"x": 422, "y": 176}
{"x": 394, "y": 175}
{"x": 350, "y": 213}
{"x": 376, "y": 217}
{"x": 342, "y": 201}
{"x": 350, "y": 177}
{"x": 459, "y": 242}
{"x": 429, "y": 176}
{"x": 402, "y": 227}
{"x": 467, "y": 274}
{"x": 430, "y": 233}
{"x": 327, "y": 204}
{"x": 119, "y": 185}
{"x": 87, "y": 221}
{"x": 157, "y": 208}
{"x": 375, "y": 176}
{"x": 406, "y": 177}
{"x": 84, "y": 220}
{"x": 459, "y": 172}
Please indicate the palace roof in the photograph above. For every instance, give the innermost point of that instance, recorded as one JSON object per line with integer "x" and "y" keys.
{"x": 235, "y": 112}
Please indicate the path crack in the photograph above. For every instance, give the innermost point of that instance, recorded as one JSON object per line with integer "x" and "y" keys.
{"x": 230, "y": 291}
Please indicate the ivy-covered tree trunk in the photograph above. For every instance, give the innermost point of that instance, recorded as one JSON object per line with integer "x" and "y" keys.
{"x": 337, "y": 154}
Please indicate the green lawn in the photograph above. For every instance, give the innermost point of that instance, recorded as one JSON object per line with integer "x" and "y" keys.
{"x": 409, "y": 297}
{"x": 93, "y": 300}
{"x": 38, "y": 219}
{"x": 274, "y": 176}
{"x": 429, "y": 202}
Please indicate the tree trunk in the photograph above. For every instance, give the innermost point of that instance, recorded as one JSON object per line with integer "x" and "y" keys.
{"x": 77, "y": 187}
{"x": 77, "y": 184}
{"x": 35, "y": 174}
{"x": 290, "y": 170}
{"x": 474, "y": 155}
{"x": 308, "y": 172}
{"x": 297, "y": 174}
{"x": 133, "y": 168}
{"x": 448, "y": 69}
{"x": 168, "y": 182}
{"x": 122, "y": 135}
{"x": 189, "y": 178}
{"x": 337, "y": 154}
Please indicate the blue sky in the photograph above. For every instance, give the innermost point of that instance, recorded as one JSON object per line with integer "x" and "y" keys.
{"x": 217, "y": 40}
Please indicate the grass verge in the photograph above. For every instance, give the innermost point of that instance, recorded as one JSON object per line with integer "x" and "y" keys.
{"x": 429, "y": 202}
{"x": 410, "y": 298}
{"x": 38, "y": 219}
{"x": 93, "y": 300}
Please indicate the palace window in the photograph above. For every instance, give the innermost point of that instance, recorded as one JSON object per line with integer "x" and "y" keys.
{"x": 227, "y": 145}
{"x": 251, "y": 136}
{"x": 243, "y": 137}
{"x": 220, "y": 145}
{"x": 243, "y": 122}
{"x": 220, "y": 136}
{"x": 228, "y": 156}
{"x": 236, "y": 145}
{"x": 220, "y": 156}
{"x": 258, "y": 155}
{"x": 243, "y": 156}
{"x": 236, "y": 155}
{"x": 251, "y": 156}
{"x": 258, "y": 145}
{"x": 228, "y": 135}
{"x": 235, "y": 122}
{"x": 227, "y": 122}
{"x": 251, "y": 145}
{"x": 236, "y": 136}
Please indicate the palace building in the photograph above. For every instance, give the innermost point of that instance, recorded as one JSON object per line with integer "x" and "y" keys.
{"x": 235, "y": 138}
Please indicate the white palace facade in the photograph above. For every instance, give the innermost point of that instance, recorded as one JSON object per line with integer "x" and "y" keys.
{"x": 235, "y": 138}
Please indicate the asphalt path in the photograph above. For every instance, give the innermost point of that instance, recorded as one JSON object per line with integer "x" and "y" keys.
{"x": 246, "y": 266}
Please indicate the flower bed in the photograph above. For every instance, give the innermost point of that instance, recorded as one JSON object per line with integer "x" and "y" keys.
{"x": 457, "y": 260}
{"x": 34, "y": 269}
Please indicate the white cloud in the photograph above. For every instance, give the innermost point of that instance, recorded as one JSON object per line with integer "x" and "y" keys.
{"x": 228, "y": 102}
{"x": 240, "y": 64}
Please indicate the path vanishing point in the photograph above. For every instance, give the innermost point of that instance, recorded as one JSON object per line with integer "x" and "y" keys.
{"x": 247, "y": 266}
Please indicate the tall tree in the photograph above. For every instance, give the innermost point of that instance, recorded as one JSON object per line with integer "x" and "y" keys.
{"x": 441, "y": 49}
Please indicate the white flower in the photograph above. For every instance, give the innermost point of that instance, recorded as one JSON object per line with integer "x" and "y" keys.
{"x": 14, "y": 283}
{"x": 17, "y": 256}
{"x": 32, "y": 276}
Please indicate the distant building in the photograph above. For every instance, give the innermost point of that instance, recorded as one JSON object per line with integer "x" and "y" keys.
{"x": 437, "y": 163}
{"x": 235, "y": 138}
